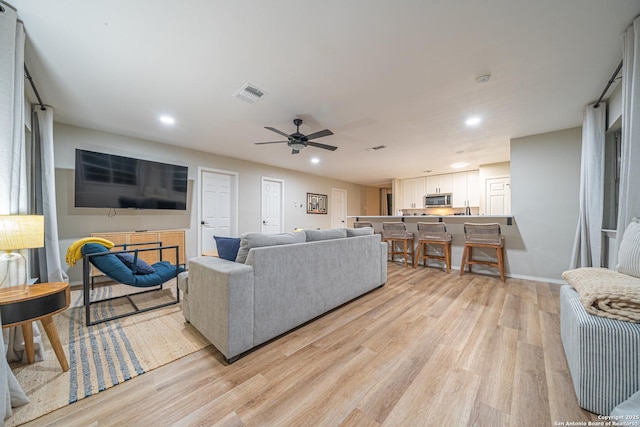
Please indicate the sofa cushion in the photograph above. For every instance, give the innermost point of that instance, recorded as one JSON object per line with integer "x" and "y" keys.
{"x": 108, "y": 264}
{"x": 629, "y": 250}
{"x": 141, "y": 267}
{"x": 332, "y": 233}
{"x": 227, "y": 247}
{"x": 362, "y": 231}
{"x": 258, "y": 240}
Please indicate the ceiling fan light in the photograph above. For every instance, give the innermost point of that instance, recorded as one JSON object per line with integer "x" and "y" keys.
{"x": 297, "y": 145}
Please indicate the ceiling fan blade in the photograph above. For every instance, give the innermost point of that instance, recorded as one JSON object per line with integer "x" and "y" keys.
{"x": 325, "y": 146}
{"x": 286, "y": 135}
{"x": 272, "y": 142}
{"x": 294, "y": 151}
{"x": 319, "y": 134}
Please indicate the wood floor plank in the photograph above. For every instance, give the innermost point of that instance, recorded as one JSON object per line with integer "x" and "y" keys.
{"x": 427, "y": 349}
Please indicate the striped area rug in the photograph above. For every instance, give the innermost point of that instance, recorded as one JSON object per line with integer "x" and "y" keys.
{"x": 103, "y": 355}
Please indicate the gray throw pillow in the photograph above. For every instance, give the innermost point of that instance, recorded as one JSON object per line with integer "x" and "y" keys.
{"x": 333, "y": 233}
{"x": 629, "y": 250}
{"x": 258, "y": 240}
{"x": 363, "y": 231}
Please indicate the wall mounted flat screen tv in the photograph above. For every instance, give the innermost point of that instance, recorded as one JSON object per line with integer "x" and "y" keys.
{"x": 110, "y": 181}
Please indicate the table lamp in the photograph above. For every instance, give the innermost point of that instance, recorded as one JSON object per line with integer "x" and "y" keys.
{"x": 17, "y": 232}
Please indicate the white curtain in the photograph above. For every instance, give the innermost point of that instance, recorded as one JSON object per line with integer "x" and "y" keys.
{"x": 47, "y": 263}
{"x": 629, "y": 199}
{"x": 13, "y": 183}
{"x": 586, "y": 247}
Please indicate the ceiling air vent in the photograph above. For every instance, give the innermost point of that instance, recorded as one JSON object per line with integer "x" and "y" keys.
{"x": 249, "y": 93}
{"x": 376, "y": 148}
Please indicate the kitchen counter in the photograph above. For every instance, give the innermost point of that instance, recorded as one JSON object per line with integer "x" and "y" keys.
{"x": 455, "y": 227}
{"x": 502, "y": 219}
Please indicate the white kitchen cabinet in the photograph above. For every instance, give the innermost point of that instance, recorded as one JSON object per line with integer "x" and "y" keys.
{"x": 413, "y": 193}
{"x": 473, "y": 188}
{"x": 466, "y": 189}
{"x": 437, "y": 184}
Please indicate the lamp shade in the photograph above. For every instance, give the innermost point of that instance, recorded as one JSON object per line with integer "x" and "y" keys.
{"x": 21, "y": 232}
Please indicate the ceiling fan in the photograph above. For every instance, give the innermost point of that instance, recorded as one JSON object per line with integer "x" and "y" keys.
{"x": 298, "y": 141}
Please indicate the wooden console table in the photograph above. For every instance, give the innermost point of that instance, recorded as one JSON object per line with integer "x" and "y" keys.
{"x": 40, "y": 302}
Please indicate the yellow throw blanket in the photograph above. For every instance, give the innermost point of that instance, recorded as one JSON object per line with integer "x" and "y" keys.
{"x": 74, "y": 253}
{"x": 607, "y": 293}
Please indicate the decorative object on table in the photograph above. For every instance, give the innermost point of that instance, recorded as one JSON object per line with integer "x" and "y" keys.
{"x": 118, "y": 271}
{"x": 18, "y": 232}
{"x": 297, "y": 141}
{"x": 316, "y": 203}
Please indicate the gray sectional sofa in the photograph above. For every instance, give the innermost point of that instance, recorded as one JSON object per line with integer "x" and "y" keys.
{"x": 287, "y": 279}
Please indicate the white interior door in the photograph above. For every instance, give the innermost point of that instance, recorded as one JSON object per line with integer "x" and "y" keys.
{"x": 498, "y": 196}
{"x": 272, "y": 205}
{"x": 338, "y": 208}
{"x": 217, "y": 207}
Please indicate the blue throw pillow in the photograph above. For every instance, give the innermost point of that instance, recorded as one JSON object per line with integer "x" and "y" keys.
{"x": 227, "y": 247}
{"x": 141, "y": 266}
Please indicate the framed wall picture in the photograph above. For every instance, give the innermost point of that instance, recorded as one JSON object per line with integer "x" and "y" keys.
{"x": 316, "y": 203}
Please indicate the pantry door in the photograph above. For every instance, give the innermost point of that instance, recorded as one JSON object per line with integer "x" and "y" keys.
{"x": 218, "y": 207}
{"x": 338, "y": 208}
{"x": 272, "y": 205}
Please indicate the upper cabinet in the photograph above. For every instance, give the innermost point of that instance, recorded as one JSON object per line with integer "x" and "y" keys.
{"x": 466, "y": 189}
{"x": 413, "y": 193}
{"x": 437, "y": 184}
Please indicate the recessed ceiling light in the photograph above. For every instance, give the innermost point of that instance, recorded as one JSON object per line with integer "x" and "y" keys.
{"x": 459, "y": 165}
{"x": 472, "y": 121}
{"x": 167, "y": 120}
{"x": 315, "y": 160}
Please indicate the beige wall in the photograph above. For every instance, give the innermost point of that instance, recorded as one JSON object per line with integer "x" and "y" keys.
{"x": 75, "y": 223}
{"x": 545, "y": 181}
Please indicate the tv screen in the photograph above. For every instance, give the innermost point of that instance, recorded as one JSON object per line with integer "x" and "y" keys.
{"x": 110, "y": 181}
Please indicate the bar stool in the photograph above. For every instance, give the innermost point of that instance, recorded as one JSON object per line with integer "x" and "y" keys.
{"x": 433, "y": 233}
{"x": 483, "y": 236}
{"x": 394, "y": 233}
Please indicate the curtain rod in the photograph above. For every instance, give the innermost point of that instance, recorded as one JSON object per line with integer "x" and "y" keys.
{"x": 611, "y": 80}
{"x": 33, "y": 86}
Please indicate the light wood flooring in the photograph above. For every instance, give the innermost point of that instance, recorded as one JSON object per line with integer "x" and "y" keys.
{"x": 427, "y": 349}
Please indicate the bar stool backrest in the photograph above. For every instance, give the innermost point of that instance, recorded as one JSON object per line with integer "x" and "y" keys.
{"x": 484, "y": 234}
{"x": 362, "y": 224}
{"x": 433, "y": 231}
{"x": 394, "y": 229}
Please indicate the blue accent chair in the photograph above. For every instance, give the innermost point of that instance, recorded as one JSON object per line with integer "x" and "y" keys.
{"x": 115, "y": 268}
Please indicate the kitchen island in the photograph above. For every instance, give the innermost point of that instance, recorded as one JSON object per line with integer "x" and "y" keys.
{"x": 455, "y": 227}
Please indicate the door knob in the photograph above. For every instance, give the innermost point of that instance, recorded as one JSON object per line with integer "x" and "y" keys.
{"x": 264, "y": 222}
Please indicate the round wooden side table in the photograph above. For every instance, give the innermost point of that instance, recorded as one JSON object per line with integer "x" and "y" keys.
{"x": 40, "y": 302}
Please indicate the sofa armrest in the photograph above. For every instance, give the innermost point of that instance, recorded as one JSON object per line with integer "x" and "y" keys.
{"x": 221, "y": 305}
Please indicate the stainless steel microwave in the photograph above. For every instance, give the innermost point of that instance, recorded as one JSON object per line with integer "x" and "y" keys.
{"x": 442, "y": 200}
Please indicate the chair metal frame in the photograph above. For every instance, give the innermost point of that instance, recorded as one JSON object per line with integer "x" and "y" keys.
{"x": 87, "y": 283}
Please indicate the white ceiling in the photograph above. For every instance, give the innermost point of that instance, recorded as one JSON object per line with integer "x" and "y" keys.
{"x": 400, "y": 74}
